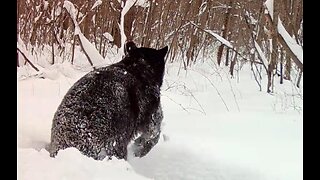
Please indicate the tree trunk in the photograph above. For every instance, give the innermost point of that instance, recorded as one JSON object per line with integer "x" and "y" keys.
{"x": 52, "y": 42}
{"x": 299, "y": 79}
{"x": 116, "y": 33}
{"x": 233, "y": 62}
{"x": 225, "y": 30}
{"x": 274, "y": 51}
{"x": 287, "y": 72}
{"x": 73, "y": 47}
{"x": 18, "y": 65}
{"x": 297, "y": 17}
{"x": 128, "y": 21}
{"x": 227, "y": 57}
{"x": 147, "y": 25}
{"x": 281, "y": 67}
{"x": 74, "y": 41}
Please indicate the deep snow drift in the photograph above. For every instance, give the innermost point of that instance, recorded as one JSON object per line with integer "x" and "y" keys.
{"x": 215, "y": 127}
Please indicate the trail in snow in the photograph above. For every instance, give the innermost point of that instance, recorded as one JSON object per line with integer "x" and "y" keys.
{"x": 172, "y": 161}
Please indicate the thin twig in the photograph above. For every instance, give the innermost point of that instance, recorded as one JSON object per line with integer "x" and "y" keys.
{"x": 183, "y": 108}
{"x": 214, "y": 88}
{"x": 189, "y": 93}
{"x": 255, "y": 77}
{"x": 234, "y": 95}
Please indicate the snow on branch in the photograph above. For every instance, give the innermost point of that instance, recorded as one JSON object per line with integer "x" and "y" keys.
{"x": 294, "y": 47}
{"x": 94, "y": 57}
{"x": 260, "y": 53}
{"x": 91, "y": 51}
{"x": 142, "y": 3}
{"x": 73, "y": 14}
{"x": 269, "y": 6}
{"x": 128, "y": 4}
{"x": 97, "y": 3}
{"x": 219, "y": 38}
{"x": 21, "y": 48}
{"x": 222, "y": 40}
{"x": 26, "y": 58}
{"x": 108, "y": 36}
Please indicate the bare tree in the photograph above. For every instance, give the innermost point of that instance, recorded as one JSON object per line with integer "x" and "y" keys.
{"x": 157, "y": 23}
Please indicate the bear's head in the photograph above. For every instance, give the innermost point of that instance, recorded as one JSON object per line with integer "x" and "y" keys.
{"x": 148, "y": 57}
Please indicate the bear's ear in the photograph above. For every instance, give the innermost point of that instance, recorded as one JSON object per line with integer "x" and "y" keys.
{"x": 162, "y": 52}
{"x": 129, "y": 48}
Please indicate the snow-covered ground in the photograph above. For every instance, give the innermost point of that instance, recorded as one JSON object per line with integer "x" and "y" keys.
{"x": 214, "y": 128}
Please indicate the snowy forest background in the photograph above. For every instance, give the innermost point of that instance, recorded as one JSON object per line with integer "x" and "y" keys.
{"x": 185, "y": 26}
{"x": 232, "y": 93}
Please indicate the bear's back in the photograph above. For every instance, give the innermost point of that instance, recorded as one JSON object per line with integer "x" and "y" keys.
{"x": 103, "y": 111}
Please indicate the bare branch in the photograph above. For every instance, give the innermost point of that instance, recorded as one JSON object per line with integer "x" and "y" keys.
{"x": 232, "y": 48}
{"x": 27, "y": 60}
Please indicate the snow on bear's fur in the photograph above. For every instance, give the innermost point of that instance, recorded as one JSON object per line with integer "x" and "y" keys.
{"x": 108, "y": 107}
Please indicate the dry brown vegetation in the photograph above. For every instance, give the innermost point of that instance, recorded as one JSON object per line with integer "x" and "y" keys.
{"x": 181, "y": 24}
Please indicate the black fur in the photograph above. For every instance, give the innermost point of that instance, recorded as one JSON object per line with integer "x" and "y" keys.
{"x": 104, "y": 110}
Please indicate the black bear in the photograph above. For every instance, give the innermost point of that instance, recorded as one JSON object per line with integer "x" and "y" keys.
{"x": 110, "y": 106}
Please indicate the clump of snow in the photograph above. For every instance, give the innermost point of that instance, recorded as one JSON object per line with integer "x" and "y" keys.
{"x": 45, "y": 4}
{"x": 58, "y": 11}
{"x": 97, "y": 3}
{"x": 203, "y": 7}
{"x": 142, "y": 3}
{"x": 108, "y": 36}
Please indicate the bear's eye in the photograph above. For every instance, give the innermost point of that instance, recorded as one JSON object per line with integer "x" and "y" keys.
{"x": 142, "y": 60}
